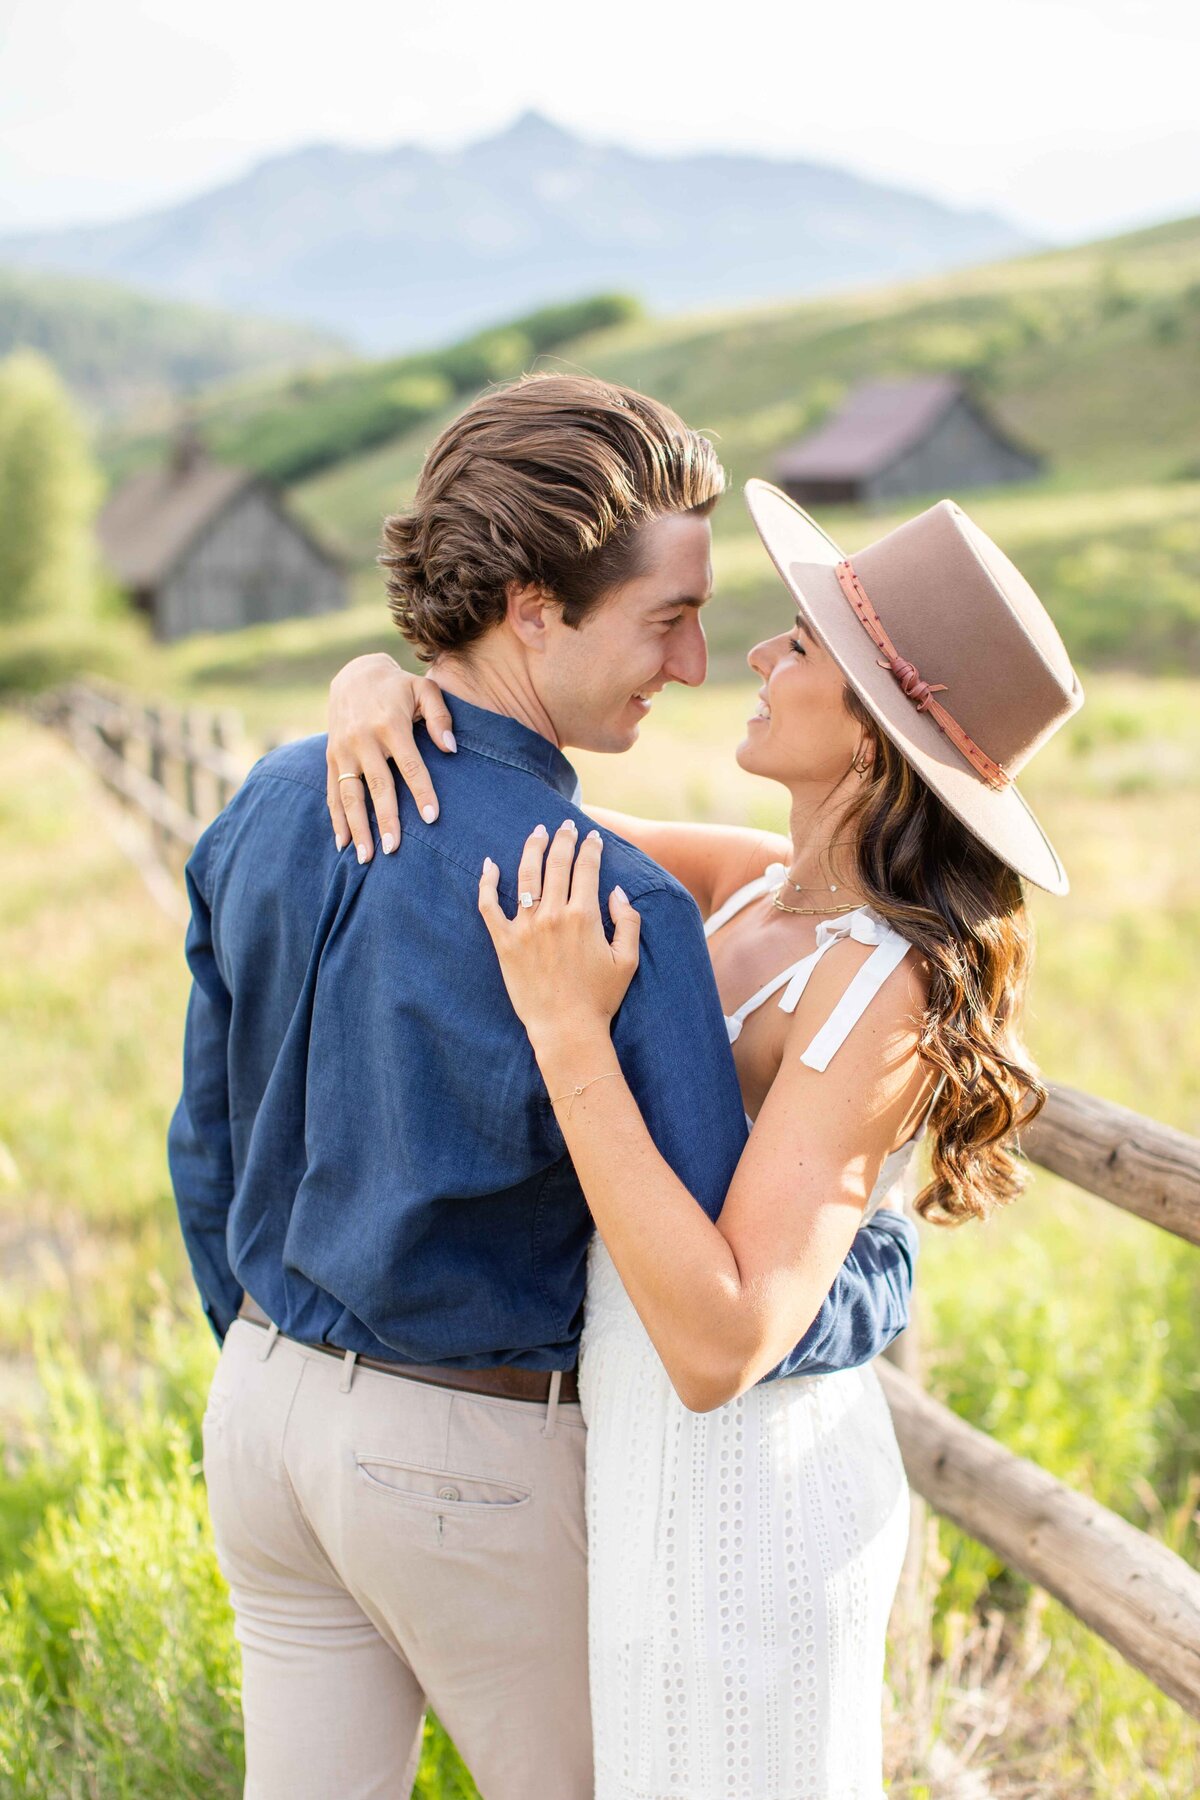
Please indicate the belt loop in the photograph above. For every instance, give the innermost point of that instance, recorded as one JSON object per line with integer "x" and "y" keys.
{"x": 348, "y": 1362}
{"x": 552, "y": 1404}
{"x": 267, "y": 1348}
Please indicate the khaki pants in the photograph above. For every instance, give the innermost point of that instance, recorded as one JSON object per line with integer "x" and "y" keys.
{"x": 388, "y": 1543}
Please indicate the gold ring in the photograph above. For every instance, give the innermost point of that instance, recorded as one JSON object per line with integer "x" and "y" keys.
{"x": 357, "y": 777}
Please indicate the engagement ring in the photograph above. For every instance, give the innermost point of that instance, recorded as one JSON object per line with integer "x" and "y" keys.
{"x": 528, "y": 900}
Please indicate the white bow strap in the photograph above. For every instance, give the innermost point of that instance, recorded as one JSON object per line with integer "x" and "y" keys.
{"x": 889, "y": 953}
{"x": 857, "y": 925}
{"x": 801, "y": 975}
{"x": 861, "y": 926}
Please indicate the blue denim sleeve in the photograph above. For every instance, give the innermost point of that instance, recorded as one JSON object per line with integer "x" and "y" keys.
{"x": 673, "y": 1047}
{"x": 199, "y": 1143}
{"x": 867, "y": 1306}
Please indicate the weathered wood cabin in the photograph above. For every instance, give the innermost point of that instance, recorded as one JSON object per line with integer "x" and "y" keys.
{"x": 889, "y": 438}
{"x": 201, "y": 546}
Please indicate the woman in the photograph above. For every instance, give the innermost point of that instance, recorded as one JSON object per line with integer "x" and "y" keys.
{"x": 745, "y": 1538}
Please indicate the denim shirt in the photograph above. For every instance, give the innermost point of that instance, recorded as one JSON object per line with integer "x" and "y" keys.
{"x": 364, "y": 1141}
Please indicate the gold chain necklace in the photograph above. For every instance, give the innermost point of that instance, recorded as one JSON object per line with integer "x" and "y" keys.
{"x": 812, "y": 912}
{"x": 808, "y": 890}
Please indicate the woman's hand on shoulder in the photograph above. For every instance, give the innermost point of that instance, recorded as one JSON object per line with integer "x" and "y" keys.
{"x": 373, "y": 706}
{"x": 564, "y": 978}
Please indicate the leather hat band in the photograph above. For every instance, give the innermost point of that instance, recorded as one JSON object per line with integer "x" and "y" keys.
{"x": 911, "y": 685}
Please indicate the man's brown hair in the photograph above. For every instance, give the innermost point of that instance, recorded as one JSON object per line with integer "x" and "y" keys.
{"x": 543, "y": 482}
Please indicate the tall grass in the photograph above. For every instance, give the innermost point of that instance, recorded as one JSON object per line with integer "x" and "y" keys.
{"x": 120, "y": 1669}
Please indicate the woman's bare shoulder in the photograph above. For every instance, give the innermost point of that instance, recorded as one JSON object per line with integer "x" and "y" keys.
{"x": 876, "y": 1068}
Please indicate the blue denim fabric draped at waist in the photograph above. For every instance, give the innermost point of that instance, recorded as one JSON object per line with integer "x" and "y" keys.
{"x": 364, "y": 1141}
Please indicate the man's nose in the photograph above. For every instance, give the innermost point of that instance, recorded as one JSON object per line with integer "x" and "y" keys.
{"x": 688, "y": 660}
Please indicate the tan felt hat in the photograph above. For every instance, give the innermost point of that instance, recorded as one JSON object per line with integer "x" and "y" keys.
{"x": 950, "y": 650}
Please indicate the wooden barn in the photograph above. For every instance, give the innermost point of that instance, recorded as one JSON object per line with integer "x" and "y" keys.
{"x": 923, "y": 436}
{"x": 201, "y": 546}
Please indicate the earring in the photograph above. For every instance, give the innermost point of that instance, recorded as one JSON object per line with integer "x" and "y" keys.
{"x": 861, "y": 766}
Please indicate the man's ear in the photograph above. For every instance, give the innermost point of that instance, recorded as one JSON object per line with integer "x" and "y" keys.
{"x": 531, "y": 609}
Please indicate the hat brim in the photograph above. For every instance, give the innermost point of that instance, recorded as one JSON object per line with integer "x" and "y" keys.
{"x": 805, "y": 557}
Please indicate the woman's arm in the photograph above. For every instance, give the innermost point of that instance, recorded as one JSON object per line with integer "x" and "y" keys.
{"x": 723, "y": 1303}
{"x": 711, "y": 861}
{"x": 373, "y": 707}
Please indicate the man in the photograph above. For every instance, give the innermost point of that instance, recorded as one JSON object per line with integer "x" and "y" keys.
{"x": 385, "y": 1229}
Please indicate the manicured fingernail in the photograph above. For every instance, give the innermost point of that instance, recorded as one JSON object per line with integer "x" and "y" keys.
{"x": 341, "y": 842}
{"x": 362, "y": 853}
{"x": 429, "y": 814}
{"x": 539, "y": 831}
{"x": 389, "y": 843}
{"x": 619, "y": 893}
{"x": 449, "y": 740}
{"x": 569, "y": 825}
{"x": 593, "y": 836}
{"x": 488, "y": 865}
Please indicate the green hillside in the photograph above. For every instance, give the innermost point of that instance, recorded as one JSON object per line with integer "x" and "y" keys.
{"x": 1090, "y": 355}
{"x": 293, "y": 426}
{"x": 125, "y": 352}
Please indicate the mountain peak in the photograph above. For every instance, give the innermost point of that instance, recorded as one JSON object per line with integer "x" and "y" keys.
{"x": 407, "y": 245}
{"x": 530, "y": 130}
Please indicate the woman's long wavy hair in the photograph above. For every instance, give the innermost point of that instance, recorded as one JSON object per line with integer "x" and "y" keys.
{"x": 964, "y": 910}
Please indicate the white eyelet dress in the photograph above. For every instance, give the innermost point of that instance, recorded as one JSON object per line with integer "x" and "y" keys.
{"x": 743, "y": 1562}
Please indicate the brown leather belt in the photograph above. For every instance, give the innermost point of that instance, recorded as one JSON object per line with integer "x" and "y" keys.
{"x": 504, "y": 1383}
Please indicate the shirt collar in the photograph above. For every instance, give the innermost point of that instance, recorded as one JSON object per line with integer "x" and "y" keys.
{"x": 508, "y": 741}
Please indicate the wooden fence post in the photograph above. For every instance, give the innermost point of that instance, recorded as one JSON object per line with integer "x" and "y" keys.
{"x": 219, "y": 733}
{"x": 187, "y": 746}
{"x": 154, "y": 764}
{"x": 115, "y": 734}
{"x": 904, "y": 1353}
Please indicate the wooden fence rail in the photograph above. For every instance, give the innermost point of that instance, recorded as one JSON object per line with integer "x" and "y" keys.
{"x": 1130, "y": 1589}
{"x": 175, "y": 766}
{"x": 1134, "y": 1162}
{"x": 169, "y": 819}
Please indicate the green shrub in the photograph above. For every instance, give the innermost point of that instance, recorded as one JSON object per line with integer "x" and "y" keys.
{"x": 49, "y": 492}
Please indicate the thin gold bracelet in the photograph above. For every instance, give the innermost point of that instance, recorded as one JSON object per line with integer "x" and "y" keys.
{"x": 576, "y": 1091}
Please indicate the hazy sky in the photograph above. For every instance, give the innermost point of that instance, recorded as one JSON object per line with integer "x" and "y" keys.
{"x": 1071, "y": 116}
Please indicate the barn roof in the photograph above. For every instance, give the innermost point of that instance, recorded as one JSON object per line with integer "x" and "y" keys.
{"x": 152, "y": 518}
{"x": 877, "y": 422}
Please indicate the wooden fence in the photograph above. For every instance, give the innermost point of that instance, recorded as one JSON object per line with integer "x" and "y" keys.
{"x": 179, "y": 768}
{"x": 175, "y": 766}
{"x": 1134, "y": 1592}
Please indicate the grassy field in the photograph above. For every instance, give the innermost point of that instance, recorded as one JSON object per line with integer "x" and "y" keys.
{"x": 1074, "y": 1337}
